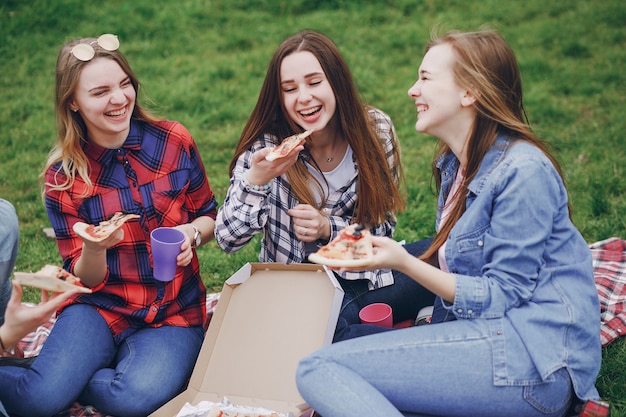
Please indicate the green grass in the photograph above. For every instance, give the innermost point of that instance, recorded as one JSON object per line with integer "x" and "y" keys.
{"x": 202, "y": 62}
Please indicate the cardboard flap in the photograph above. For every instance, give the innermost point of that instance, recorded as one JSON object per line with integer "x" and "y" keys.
{"x": 254, "y": 351}
{"x": 269, "y": 316}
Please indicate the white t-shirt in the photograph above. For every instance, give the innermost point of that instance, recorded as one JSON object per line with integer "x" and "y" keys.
{"x": 336, "y": 178}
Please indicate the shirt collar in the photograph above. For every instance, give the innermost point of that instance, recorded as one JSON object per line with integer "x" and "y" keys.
{"x": 104, "y": 155}
{"x": 448, "y": 162}
{"x": 491, "y": 159}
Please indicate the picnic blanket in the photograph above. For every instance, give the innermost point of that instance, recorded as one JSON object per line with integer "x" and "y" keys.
{"x": 609, "y": 264}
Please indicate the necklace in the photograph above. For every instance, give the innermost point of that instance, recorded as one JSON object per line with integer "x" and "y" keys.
{"x": 332, "y": 157}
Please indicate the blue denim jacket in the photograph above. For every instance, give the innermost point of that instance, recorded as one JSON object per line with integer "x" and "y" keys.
{"x": 520, "y": 263}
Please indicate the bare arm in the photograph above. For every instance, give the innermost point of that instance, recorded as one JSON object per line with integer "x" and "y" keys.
{"x": 206, "y": 226}
{"x": 391, "y": 254}
{"x": 91, "y": 267}
{"x": 21, "y": 320}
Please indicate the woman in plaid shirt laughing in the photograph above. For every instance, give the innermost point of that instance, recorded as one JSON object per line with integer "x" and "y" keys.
{"x": 131, "y": 345}
{"x": 348, "y": 172}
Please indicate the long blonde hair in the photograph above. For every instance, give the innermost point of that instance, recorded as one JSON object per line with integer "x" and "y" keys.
{"x": 375, "y": 178}
{"x": 486, "y": 66}
{"x": 71, "y": 129}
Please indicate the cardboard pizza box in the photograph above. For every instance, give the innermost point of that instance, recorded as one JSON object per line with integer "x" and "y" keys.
{"x": 268, "y": 317}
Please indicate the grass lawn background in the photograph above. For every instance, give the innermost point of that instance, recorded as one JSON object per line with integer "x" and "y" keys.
{"x": 202, "y": 62}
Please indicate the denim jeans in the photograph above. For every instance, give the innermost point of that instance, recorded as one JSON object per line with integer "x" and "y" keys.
{"x": 80, "y": 362}
{"x": 9, "y": 240}
{"x": 406, "y": 297}
{"x": 437, "y": 370}
{"x": 5, "y": 295}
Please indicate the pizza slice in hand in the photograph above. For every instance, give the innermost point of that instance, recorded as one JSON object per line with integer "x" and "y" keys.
{"x": 51, "y": 278}
{"x": 287, "y": 145}
{"x": 97, "y": 233}
{"x": 351, "y": 248}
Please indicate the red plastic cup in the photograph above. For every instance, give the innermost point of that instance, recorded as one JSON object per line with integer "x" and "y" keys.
{"x": 165, "y": 242}
{"x": 377, "y": 313}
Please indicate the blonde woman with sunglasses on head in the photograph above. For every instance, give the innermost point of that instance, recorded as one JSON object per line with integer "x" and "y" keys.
{"x": 130, "y": 346}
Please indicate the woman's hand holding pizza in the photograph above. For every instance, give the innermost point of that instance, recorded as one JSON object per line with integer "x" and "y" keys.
{"x": 351, "y": 248}
{"x": 308, "y": 223}
{"x": 97, "y": 238}
{"x": 104, "y": 244}
{"x": 21, "y": 320}
{"x": 263, "y": 171}
{"x": 91, "y": 265}
{"x": 388, "y": 253}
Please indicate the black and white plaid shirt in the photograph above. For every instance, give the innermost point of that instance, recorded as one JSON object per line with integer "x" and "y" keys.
{"x": 247, "y": 212}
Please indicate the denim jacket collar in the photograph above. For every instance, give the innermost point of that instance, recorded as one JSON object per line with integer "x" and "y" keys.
{"x": 448, "y": 164}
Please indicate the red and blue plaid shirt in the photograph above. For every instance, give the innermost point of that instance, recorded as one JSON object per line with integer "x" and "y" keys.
{"x": 157, "y": 174}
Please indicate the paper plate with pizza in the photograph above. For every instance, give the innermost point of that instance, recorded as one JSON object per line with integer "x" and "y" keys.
{"x": 99, "y": 232}
{"x": 287, "y": 145}
{"x": 51, "y": 278}
{"x": 351, "y": 248}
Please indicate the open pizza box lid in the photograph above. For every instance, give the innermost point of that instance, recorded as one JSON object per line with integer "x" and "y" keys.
{"x": 269, "y": 316}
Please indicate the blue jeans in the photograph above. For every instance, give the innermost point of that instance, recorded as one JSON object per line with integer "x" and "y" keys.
{"x": 9, "y": 241}
{"x": 436, "y": 370}
{"x": 81, "y": 362}
{"x": 406, "y": 298}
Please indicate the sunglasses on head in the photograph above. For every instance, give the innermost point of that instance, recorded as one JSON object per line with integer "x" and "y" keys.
{"x": 85, "y": 51}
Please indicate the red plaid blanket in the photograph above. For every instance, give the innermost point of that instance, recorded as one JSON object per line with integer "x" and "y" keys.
{"x": 609, "y": 263}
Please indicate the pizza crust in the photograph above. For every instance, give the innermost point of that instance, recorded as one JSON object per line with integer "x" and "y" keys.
{"x": 103, "y": 230}
{"x": 289, "y": 143}
{"x": 50, "y": 278}
{"x": 339, "y": 263}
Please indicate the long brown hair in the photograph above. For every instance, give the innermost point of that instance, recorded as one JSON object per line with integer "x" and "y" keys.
{"x": 486, "y": 66}
{"x": 71, "y": 129}
{"x": 270, "y": 116}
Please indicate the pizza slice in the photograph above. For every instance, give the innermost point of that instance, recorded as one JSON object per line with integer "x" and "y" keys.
{"x": 51, "y": 278}
{"x": 351, "y": 248}
{"x": 287, "y": 145}
{"x": 97, "y": 233}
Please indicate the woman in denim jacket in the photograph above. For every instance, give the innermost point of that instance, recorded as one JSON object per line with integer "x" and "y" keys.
{"x": 519, "y": 311}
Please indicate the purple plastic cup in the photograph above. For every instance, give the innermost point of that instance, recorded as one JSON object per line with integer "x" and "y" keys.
{"x": 378, "y": 313}
{"x": 165, "y": 243}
